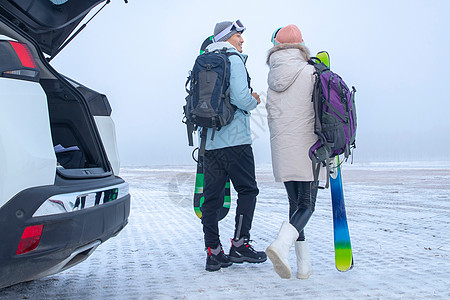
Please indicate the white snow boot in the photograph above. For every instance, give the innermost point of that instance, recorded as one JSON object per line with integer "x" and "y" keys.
{"x": 278, "y": 251}
{"x": 304, "y": 268}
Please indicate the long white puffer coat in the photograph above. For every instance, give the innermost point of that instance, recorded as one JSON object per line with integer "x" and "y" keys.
{"x": 290, "y": 112}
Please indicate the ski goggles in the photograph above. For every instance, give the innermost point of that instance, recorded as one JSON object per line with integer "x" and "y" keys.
{"x": 274, "y": 35}
{"x": 236, "y": 25}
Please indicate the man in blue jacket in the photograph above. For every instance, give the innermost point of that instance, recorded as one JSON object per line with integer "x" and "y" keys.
{"x": 230, "y": 154}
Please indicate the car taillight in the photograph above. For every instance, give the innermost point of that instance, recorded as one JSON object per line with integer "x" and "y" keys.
{"x": 17, "y": 61}
{"x": 30, "y": 239}
{"x": 24, "y": 54}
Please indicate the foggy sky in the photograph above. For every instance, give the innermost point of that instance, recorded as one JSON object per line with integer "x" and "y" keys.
{"x": 393, "y": 52}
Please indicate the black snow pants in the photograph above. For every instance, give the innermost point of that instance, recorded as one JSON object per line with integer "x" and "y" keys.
{"x": 302, "y": 202}
{"x": 238, "y": 163}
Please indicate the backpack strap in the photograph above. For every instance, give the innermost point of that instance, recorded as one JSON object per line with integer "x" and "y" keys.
{"x": 327, "y": 162}
{"x": 190, "y": 131}
{"x": 318, "y": 64}
{"x": 203, "y": 135}
{"x": 189, "y": 126}
{"x": 187, "y": 82}
{"x": 248, "y": 75}
{"x": 316, "y": 169}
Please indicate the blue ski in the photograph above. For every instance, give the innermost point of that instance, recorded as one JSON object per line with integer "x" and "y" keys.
{"x": 342, "y": 245}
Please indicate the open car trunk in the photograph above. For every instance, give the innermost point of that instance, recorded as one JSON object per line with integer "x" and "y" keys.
{"x": 44, "y": 25}
{"x": 48, "y": 22}
{"x": 59, "y": 196}
{"x": 77, "y": 145}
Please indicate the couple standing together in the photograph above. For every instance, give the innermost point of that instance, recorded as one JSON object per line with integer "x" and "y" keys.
{"x": 229, "y": 154}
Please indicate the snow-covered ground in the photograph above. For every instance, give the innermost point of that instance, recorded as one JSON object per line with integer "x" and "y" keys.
{"x": 399, "y": 219}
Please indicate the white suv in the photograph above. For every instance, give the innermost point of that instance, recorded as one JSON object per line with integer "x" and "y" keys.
{"x": 60, "y": 194}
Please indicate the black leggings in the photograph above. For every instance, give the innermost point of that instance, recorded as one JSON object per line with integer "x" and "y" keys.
{"x": 302, "y": 202}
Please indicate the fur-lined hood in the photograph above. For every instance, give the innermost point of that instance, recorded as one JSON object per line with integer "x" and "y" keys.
{"x": 304, "y": 51}
{"x": 286, "y": 62}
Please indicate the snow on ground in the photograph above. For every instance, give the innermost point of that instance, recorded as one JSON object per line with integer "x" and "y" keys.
{"x": 399, "y": 219}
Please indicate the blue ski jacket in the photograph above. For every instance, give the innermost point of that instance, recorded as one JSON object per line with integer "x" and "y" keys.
{"x": 238, "y": 131}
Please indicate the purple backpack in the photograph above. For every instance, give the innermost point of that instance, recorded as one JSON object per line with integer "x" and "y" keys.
{"x": 335, "y": 118}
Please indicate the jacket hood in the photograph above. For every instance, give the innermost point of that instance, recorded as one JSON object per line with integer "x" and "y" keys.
{"x": 229, "y": 48}
{"x": 286, "y": 62}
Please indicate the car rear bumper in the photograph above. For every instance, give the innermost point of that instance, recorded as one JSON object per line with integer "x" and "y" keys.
{"x": 67, "y": 238}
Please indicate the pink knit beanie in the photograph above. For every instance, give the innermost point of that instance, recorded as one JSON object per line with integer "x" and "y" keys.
{"x": 289, "y": 34}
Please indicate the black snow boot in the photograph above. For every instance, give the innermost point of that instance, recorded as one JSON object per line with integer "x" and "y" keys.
{"x": 216, "y": 259}
{"x": 241, "y": 251}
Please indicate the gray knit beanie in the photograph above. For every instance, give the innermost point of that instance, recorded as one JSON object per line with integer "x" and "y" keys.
{"x": 221, "y": 27}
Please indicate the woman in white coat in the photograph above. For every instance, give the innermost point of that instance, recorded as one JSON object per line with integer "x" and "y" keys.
{"x": 291, "y": 124}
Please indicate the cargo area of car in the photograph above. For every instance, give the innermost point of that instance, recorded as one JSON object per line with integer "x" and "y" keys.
{"x": 76, "y": 143}
{"x": 78, "y": 148}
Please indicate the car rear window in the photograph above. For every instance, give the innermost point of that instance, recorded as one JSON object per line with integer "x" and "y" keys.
{"x": 58, "y": 2}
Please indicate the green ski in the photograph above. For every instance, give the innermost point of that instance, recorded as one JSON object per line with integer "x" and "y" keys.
{"x": 198, "y": 193}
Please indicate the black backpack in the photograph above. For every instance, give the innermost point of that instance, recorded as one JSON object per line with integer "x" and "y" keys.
{"x": 208, "y": 101}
